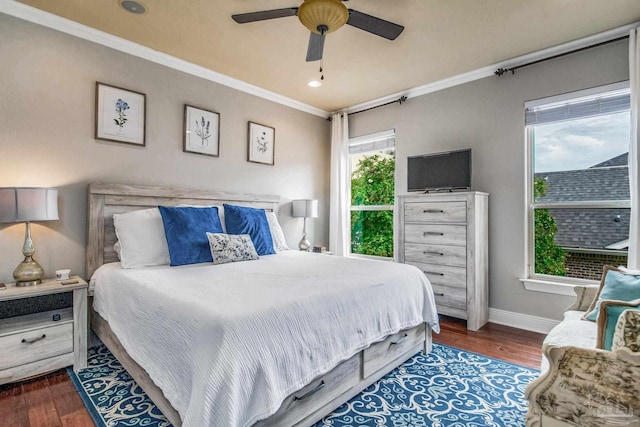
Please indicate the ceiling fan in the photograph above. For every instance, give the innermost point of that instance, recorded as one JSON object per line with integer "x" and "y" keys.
{"x": 322, "y": 17}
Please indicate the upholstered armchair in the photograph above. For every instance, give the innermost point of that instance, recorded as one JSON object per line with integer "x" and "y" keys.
{"x": 590, "y": 386}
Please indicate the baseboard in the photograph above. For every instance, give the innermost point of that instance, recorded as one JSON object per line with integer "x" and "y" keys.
{"x": 522, "y": 321}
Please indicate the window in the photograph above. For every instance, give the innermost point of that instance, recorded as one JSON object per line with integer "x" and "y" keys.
{"x": 578, "y": 185}
{"x": 372, "y": 171}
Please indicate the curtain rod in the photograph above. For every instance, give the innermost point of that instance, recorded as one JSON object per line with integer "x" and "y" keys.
{"x": 502, "y": 71}
{"x": 399, "y": 101}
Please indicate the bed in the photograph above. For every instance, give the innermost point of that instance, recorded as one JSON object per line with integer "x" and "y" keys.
{"x": 286, "y": 355}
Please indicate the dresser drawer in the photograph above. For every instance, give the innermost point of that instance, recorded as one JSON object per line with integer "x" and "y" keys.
{"x": 438, "y": 234}
{"x": 36, "y": 344}
{"x": 436, "y": 254}
{"x": 450, "y": 296}
{"x": 380, "y": 354}
{"x": 443, "y": 275}
{"x": 453, "y": 312}
{"x": 436, "y": 212}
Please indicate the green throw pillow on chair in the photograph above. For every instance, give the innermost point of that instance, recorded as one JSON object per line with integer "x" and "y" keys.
{"x": 615, "y": 285}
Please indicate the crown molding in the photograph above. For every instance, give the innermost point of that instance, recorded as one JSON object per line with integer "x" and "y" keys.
{"x": 46, "y": 19}
{"x": 49, "y": 20}
{"x": 489, "y": 70}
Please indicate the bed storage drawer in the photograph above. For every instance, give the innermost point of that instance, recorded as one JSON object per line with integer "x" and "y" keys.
{"x": 387, "y": 351}
{"x": 36, "y": 344}
{"x": 317, "y": 394}
{"x": 436, "y": 212}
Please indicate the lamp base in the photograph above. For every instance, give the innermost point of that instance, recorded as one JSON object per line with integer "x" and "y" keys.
{"x": 30, "y": 283}
{"x": 304, "y": 244}
{"x": 28, "y": 272}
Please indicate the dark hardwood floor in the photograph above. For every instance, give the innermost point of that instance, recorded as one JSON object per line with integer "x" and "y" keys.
{"x": 52, "y": 401}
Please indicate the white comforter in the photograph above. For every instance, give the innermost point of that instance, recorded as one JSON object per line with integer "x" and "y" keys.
{"x": 227, "y": 343}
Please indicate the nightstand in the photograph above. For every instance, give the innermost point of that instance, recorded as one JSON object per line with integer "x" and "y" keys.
{"x": 35, "y": 344}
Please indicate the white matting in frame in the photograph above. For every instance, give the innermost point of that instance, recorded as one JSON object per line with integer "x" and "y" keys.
{"x": 262, "y": 141}
{"x": 201, "y": 131}
{"x": 120, "y": 114}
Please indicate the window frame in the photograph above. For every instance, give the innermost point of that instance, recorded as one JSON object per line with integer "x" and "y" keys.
{"x": 362, "y": 140}
{"x": 545, "y": 282}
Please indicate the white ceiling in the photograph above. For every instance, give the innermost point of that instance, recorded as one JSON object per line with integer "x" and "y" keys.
{"x": 442, "y": 38}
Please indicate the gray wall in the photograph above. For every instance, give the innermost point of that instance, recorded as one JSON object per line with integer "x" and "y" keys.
{"x": 488, "y": 116}
{"x": 47, "y": 85}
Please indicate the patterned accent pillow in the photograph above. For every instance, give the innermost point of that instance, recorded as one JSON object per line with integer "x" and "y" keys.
{"x": 610, "y": 312}
{"x": 627, "y": 333}
{"x": 231, "y": 248}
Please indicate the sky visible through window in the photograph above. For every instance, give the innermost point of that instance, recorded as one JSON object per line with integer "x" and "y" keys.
{"x": 580, "y": 144}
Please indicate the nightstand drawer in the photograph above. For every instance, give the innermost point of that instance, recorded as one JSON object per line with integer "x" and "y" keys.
{"x": 436, "y": 254}
{"x": 436, "y": 212}
{"x": 36, "y": 344}
{"x": 438, "y": 234}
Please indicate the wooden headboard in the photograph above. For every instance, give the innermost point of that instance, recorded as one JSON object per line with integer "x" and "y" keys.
{"x": 107, "y": 199}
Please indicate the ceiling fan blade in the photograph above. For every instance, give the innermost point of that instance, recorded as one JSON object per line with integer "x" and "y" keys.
{"x": 374, "y": 25}
{"x": 243, "y": 18}
{"x": 316, "y": 45}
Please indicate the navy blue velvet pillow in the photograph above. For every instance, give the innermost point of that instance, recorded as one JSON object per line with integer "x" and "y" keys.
{"x": 251, "y": 221}
{"x": 186, "y": 231}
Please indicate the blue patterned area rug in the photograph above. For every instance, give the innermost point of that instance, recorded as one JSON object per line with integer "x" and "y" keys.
{"x": 448, "y": 387}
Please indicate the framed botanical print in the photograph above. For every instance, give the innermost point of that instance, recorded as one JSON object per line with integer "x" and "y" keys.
{"x": 262, "y": 140}
{"x": 201, "y": 131}
{"x": 120, "y": 114}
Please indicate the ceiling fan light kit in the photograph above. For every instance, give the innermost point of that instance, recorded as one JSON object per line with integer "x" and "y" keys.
{"x": 323, "y": 16}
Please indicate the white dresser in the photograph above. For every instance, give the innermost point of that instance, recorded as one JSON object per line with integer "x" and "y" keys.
{"x": 446, "y": 236}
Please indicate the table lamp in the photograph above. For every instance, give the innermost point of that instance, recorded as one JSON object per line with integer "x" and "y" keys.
{"x": 305, "y": 208}
{"x": 27, "y": 204}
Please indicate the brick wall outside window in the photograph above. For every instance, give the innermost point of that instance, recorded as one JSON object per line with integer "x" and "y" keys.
{"x": 589, "y": 266}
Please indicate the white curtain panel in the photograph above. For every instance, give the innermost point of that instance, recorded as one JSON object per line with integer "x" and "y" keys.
{"x": 339, "y": 219}
{"x": 634, "y": 149}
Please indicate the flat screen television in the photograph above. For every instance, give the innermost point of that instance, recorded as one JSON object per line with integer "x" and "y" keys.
{"x": 450, "y": 170}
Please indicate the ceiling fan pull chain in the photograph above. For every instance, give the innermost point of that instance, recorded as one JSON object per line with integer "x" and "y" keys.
{"x": 321, "y": 72}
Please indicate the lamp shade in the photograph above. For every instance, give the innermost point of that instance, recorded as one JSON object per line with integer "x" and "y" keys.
{"x": 307, "y": 208}
{"x": 24, "y": 204}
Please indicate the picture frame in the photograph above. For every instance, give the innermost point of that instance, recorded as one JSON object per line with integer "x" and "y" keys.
{"x": 262, "y": 144}
{"x": 201, "y": 131}
{"x": 120, "y": 115}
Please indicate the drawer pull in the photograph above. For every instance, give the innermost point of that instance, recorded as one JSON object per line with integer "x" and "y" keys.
{"x": 310, "y": 392}
{"x": 432, "y": 233}
{"x": 399, "y": 340}
{"x": 435, "y": 273}
{"x": 439, "y": 294}
{"x": 433, "y": 211}
{"x": 433, "y": 253}
{"x": 32, "y": 340}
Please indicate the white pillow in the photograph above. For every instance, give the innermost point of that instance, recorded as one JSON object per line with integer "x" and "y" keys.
{"x": 141, "y": 237}
{"x": 279, "y": 242}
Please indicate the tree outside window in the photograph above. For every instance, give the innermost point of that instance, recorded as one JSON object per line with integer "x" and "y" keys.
{"x": 372, "y": 199}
